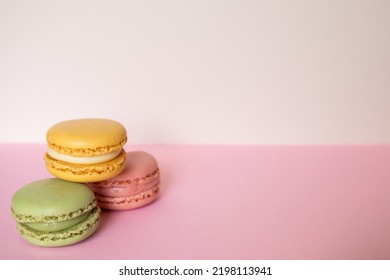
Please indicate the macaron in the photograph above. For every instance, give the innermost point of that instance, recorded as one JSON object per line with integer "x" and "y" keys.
{"x": 53, "y": 212}
{"x": 86, "y": 150}
{"x": 137, "y": 186}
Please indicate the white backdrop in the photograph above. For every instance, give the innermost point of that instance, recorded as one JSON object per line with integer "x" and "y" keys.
{"x": 205, "y": 72}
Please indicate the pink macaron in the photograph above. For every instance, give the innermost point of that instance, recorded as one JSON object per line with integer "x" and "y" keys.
{"x": 137, "y": 185}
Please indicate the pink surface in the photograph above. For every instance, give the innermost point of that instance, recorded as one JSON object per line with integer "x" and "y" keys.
{"x": 231, "y": 202}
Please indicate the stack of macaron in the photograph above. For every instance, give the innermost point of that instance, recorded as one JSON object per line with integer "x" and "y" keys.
{"x": 91, "y": 170}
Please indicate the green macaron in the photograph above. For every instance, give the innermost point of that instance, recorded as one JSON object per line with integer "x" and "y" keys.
{"x": 53, "y": 212}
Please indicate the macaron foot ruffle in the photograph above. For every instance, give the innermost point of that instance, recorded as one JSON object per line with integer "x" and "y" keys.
{"x": 128, "y": 202}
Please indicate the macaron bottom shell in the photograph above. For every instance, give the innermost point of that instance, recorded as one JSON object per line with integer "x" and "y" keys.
{"x": 64, "y": 237}
{"x": 83, "y": 173}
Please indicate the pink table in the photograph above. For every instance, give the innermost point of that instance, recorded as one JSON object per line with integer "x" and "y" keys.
{"x": 231, "y": 202}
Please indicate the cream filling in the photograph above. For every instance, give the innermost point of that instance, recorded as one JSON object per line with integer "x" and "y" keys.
{"x": 83, "y": 160}
{"x": 50, "y": 227}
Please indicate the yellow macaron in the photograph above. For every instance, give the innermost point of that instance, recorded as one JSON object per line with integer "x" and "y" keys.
{"x": 86, "y": 150}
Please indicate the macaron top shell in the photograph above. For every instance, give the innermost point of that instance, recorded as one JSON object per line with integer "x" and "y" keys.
{"x": 51, "y": 200}
{"x": 86, "y": 137}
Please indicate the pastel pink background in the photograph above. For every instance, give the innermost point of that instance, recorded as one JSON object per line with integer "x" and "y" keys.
{"x": 231, "y": 202}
